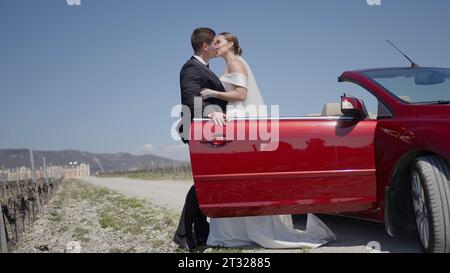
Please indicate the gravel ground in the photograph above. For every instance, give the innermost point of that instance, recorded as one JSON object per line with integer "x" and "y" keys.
{"x": 99, "y": 220}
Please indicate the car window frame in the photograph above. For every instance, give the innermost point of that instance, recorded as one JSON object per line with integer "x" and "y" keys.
{"x": 380, "y": 100}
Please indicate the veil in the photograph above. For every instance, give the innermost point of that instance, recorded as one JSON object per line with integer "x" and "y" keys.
{"x": 254, "y": 97}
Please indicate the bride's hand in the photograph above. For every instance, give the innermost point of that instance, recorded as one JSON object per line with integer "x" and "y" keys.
{"x": 208, "y": 93}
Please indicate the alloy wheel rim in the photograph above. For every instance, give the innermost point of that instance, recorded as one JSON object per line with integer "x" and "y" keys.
{"x": 420, "y": 209}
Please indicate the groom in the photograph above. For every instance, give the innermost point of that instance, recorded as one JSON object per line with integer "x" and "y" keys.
{"x": 195, "y": 76}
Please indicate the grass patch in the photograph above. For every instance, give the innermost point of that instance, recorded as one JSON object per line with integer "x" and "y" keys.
{"x": 80, "y": 234}
{"x": 55, "y": 216}
{"x": 226, "y": 250}
{"x": 107, "y": 220}
{"x": 63, "y": 229}
{"x": 183, "y": 173}
{"x": 118, "y": 250}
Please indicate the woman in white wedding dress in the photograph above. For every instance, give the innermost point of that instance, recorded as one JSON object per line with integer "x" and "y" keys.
{"x": 245, "y": 100}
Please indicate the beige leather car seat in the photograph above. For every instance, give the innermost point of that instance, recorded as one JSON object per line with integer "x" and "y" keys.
{"x": 332, "y": 109}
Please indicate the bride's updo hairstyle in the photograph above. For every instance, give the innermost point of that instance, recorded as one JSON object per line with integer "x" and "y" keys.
{"x": 231, "y": 38}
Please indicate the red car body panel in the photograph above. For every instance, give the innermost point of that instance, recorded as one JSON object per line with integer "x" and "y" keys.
{"x": 321, "y": 165}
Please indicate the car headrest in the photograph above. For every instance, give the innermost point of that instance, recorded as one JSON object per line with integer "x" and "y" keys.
{"x": 405, "y": 98}
{"x": 332, "y": 109}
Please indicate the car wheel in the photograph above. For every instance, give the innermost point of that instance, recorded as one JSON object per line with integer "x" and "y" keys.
{"x": 430, "y": 188}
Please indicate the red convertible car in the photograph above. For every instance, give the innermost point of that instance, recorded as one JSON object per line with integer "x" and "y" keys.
{"x": 390, "y": 166}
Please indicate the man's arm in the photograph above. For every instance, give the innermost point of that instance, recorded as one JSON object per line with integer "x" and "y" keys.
{"x": 191, "y": 85}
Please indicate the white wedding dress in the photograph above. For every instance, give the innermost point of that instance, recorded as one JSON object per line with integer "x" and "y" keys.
{"x": 253, "y": 106}
{"x": 267, "y": 231}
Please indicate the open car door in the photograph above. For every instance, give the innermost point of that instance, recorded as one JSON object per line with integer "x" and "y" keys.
{"x": 321, "y": 164}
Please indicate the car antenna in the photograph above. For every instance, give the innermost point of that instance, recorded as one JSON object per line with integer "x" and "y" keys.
{"x": 413, "y": 64}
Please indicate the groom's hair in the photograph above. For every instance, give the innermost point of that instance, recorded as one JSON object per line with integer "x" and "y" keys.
{"x": 200, "y": 36}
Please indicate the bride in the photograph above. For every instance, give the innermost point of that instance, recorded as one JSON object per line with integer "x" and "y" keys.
{"x": 245, "y": 100}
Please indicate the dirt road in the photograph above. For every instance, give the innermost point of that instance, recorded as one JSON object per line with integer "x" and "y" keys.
{"x": 164, "y": 193}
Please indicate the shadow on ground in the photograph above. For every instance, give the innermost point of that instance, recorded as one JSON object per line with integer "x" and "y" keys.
{"x": 354, "y": 235}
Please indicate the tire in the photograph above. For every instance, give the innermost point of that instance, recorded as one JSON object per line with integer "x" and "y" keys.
{"x": 430, "y": 188}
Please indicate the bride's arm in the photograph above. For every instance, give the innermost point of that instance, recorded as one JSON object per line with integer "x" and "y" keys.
{"x": 238, "y": 93}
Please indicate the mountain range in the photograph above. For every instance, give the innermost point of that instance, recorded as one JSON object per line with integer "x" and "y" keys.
{"x": 13, "y": 158}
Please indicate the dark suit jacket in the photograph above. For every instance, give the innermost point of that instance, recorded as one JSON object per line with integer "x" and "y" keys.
{"x": 195, "y": 76}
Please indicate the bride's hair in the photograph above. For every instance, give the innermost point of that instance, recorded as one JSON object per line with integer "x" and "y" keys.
{"x": 230, "y": 37}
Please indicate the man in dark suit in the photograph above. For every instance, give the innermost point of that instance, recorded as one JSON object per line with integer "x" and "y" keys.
{"x": 194, "y": 77}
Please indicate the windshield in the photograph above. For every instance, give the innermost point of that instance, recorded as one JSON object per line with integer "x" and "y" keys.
{"x": 415, "y": 85}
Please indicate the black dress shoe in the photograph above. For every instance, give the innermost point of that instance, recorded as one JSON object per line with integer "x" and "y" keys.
{"x": 185, "y": 242}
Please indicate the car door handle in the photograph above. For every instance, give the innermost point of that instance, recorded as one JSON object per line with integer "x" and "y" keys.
{"x": 217, "y": 141}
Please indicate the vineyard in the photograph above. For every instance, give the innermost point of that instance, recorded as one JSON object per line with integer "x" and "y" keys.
{"x": 21, "y": 201}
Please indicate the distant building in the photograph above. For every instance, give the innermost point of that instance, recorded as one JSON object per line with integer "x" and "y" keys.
{"x": 74, "y": 170}
{"x": 24, "y": 173}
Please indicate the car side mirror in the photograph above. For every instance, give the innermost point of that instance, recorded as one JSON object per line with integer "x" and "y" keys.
{"x": 354, "y": 107}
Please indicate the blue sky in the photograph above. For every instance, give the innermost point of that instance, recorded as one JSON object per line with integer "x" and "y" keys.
{"x": 103, "y": 76}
